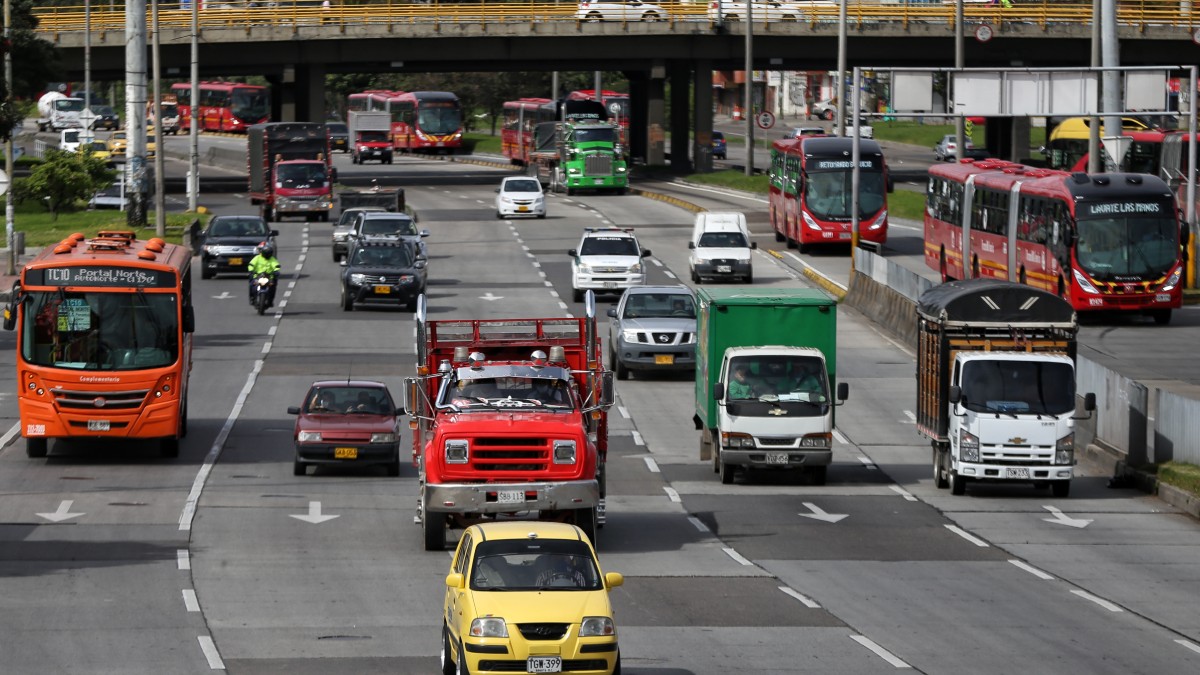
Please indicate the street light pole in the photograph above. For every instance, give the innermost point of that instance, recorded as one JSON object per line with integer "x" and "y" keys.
{"x": 839, "y": 89}
{"x": 749, "y": 107}
{"x": 193, "y": 182}
{"x": 960, "y": 62}
{"x": 160, "y": 139}
{"x": 9, "y": 234}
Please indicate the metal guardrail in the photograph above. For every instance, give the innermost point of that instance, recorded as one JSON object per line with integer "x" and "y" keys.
{"x": 1045, "y": 14}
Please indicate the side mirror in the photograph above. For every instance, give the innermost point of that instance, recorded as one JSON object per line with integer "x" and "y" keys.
{"x": 1089, "y": 405}
{"x": 419, "y": 263}
{"x": 497, "y": 190}
{"x": 411, "y": 394}
{"x": 612, "y": 311}
{"x": 754, "y": 244}
{"x": 274, "y": 233}
{"x": 608, "y": 392}
{"x": 691, "y": 244}
{"x": 955, "y": 393}
{"x": 1184, "y": 234}
{"x": 455, "y": 580}
{"x": 424, "y": 233}
{"x": 293, "y": 410}
{"x": 572, "y": 252}
{"x": 891, "y": 185}
{"x": 10, "y": 310}
{"x": 613, "y": 579}
{"x": 843, "y": 391}
{"x": 333, "y": 174}
{"x": 718, "y": 391}
{"x": 343, "y": 262}
{"x": 645, "y": 253}
{"x": 188, "y": 319}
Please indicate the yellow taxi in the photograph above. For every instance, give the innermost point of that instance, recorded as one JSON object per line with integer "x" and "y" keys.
{"x": 117, "y": 143}
{"x": 97, "y": 149}
{"x": 528, "y": 597}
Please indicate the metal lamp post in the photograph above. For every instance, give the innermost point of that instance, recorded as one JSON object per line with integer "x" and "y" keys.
{"x": 749, "y": 107}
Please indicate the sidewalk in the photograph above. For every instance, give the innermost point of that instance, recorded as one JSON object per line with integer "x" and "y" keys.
{"x": 7, "y": 280}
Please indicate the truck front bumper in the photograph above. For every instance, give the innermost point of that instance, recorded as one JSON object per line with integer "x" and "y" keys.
{"x": 1022, "y": 472}
{"x": 781, "y": 458}
{"x": 741, "y": 269}
{"x": 485, "y": 497}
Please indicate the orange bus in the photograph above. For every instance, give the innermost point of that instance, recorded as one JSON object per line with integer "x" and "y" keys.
{"x": 104, "y": 341}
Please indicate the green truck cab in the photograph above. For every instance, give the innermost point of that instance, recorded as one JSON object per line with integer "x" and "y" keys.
{"x": 765, "y": 371}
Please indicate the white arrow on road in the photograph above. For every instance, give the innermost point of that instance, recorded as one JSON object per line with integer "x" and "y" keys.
{"x": 223, "y": 296}
{"x": 819, "y": 514}
{"x": 489, "y": 297}
{"x": 1061, "y": 518}
{"x": 314, "y": 514}
{"x": 63, "y": 512}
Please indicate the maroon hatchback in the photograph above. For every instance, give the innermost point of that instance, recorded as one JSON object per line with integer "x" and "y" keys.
{"x": 347, "y": 422}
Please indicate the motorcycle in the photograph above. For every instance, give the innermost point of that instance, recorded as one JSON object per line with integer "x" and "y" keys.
{"x": 263, "y": 284}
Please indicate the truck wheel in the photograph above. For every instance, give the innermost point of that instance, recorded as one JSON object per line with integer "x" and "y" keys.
{"x": 434, "y": 530}
{"x": 819, "y": 474}
{"x": 958, "y": 484}
{"x": 724, "y": 469}
{"x": 35, "y": 448}
{"x": 939, "y": 474}
{"x": 1061, "y": 488}
{"x": 586, "y": 520}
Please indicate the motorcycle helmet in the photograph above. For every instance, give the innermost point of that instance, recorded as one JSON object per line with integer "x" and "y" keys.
{"x": 266, "y": 249}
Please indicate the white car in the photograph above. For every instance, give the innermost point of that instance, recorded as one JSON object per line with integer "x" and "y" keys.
{"x": 520, "y": 196}
{"x": 620, "y": 10}
{"x": 947, "y": 149}
{"x": 763, "y": 10}
{"x": 70, "y": 139}
{"x": 608, "y": 260}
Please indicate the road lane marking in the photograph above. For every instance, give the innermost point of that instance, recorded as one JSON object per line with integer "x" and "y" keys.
{"x": 912, "y": 419}
{"x": 1099, "y": 601}
{"x": 903, "y": 493}
{"x": 1032, "y": 570}
{"x": 737, "y": 557}
{"x": 808, "y": 602}
{"x": 637, "y": 438}
{"x": 840, "y": 438}
{"x": 210, "y": 652}
{"x": 698, "y": 524}
{"x": 190, "y": 601}
{"x": 670, "y": 274}
{"x": 672, "y": 494}
{"x": 880, "y": 651}
{"x": 183, "y": 558}
{"x": 651, "y": 464}
{"x": 621, "y": 409}
{"x": 16, "y": 429}
{"x": 969, "y": 537}
{"x": 1189, "y": 645}
{"x": 867, "y": 462}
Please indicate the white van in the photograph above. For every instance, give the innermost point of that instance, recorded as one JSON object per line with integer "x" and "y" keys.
{"x": 720, "y": 247}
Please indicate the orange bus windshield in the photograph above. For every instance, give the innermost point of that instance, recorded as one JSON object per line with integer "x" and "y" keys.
{"x": 100, "y": 330}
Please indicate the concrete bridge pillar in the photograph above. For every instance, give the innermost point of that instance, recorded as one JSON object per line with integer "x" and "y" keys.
{"x": 656, "y": 135}
{"x": 638, "y": 107}
{"x": 680, "y": 116}
{"x": 298, "y": 94}
{"x": 702, "y": 104}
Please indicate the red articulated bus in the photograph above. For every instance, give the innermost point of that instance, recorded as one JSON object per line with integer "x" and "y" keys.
{"x": 104, "y": 341}
{"x": 810, "y": 196}
{"x": 224, "y": 106}
{"x": 520, "y": 119}
{"x": 426, "y": 121}
{"x": 1105, "y": 241}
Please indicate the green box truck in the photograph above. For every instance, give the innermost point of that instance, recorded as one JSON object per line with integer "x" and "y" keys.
{"x": 765, "y": 366}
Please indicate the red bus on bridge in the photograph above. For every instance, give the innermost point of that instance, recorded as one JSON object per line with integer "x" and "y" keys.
{"x": 520, "y": 118}
{"x": 1105, "y": 241}
{"x": 224, "y": 106}
{"x": 104, "y": 341}
{"x": 810, "y": 195}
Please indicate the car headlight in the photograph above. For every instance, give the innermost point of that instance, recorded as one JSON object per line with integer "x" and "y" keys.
{"x": 629, "y": 335}
{"x": 635, "y": 268}
{"x": 457, "y": 452}
{"x": 489, "y": 626}
{"x": 808, "y": 220}
{"x": 620, "y": 169}
{"x": 505, "y": 200}
{"x": 736, "y": 440}
{"x": 597, "y": 626}
{"x": 573, "y": 171}
{"x": 1084, "y": 283}
{"x": 689, "y": 339}
{"x": 1064, "y": 450}
{"x": 357, "y": 279}
{"x": 564, "y": 452}
{"x": 968, "y": 446}
{"x": 212, "y": 250}
{"x": 309, "y": 437}
{"x": 383, "y": 438}
{"x": 585, "y": 268}
{"x": 879, "y": 221}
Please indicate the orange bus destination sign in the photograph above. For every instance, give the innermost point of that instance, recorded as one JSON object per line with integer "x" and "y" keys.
{"x": 100, "y": 276}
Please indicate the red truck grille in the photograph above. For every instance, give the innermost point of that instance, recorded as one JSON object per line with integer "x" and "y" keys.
{"x": 510, "y": 454}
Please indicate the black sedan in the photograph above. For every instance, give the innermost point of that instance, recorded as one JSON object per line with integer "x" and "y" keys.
{"x": 106, "y": 118}
{"x": 390, "y": 272}
{"x": 339, "y": 136}
{"x": 227, "y": 244}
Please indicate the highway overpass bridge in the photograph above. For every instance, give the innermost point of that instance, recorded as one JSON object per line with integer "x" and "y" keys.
{"x": 295, "y": 46}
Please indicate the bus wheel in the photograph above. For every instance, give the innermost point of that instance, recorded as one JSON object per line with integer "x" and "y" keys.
{"x": 169, "y": 447}
{"x": 1021, "y": 276}
{"x": 1161, "y": 317}
{"x": 35, "y": 448}
{"x": 183, "y": 420}
{"x": 942, "y": 266}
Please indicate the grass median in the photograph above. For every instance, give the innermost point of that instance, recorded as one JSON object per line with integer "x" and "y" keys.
{"x": 41, "y": 228}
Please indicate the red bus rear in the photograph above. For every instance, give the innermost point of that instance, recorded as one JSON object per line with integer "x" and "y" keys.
{"x": 1106, "y": 241}
{"x": 811, "y": 197}
{"x": 520, "y": 118}
{"x": 224, "y": 106}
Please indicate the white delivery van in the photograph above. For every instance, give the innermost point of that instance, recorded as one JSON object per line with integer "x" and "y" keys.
{"x": 720, "y": 247}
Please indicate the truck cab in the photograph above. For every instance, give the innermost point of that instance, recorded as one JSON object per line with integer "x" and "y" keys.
{"x": 302, "y": 188}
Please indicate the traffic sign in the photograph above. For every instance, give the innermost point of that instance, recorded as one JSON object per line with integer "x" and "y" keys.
{"x": 3, "y": 182}
{"x": 765, "y": 119}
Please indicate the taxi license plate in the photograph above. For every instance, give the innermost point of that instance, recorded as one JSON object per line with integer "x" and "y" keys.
{"x": 845, "y": 235}
{"x": 1020, "y": 472}
{"x": 664, "y": 359}
{"x": 522, "y": 209}
{"x": 544, "y": 664}
{"x": 345, "y": 453}
{"x": 512, "y": 497}
{"x": 777, "y": 458}
{"x": 383, "y": 290}
{"x": 98, "y": 425}
{"x": 235, "y": 261}
{"x": 724, "y": 269}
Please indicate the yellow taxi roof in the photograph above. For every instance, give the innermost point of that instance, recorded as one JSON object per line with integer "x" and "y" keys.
{"x": 521, "y": 529}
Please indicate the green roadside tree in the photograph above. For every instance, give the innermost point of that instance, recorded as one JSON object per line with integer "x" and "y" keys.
{"x": 64, "y": 179}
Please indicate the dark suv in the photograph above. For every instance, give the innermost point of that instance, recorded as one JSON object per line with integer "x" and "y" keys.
{"x": 387, "y": 226}
{"x": 383, "y": 272}
{"x": 227, "y": 244}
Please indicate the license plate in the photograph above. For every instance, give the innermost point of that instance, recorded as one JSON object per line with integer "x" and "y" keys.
{"x": 777, "y": 458}
{"x": 511, "y": 497}
{"x": 98, "y": 425}
{"x": 610, "y": 284}
{"x": 724, "y": 269}
{"x": 522, "y": 209}
{"x": 1162, "y": 297}
{"x": 544, "y": 664}
{"x": 664, "y": 359}
{"x": 235, "y": 261}
{"x": 1021, "y": 472}
{"x": 598, "y": 181}
{"x": 383, "y": 290}
{"x": 441, "y": 143}
{"x": 846, "y": 235}
{"x": 345, "y": 453}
